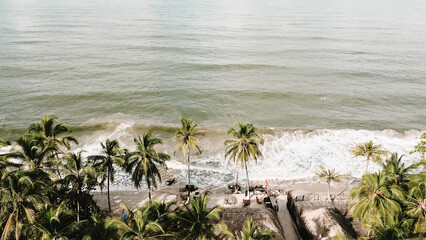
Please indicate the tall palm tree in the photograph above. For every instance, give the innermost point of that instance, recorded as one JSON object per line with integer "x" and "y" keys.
{"x": 251, "y": 231}
{"x": 375, "y": 197}
{"x": 138, "y": 226}
{"x": 243, "y": 147}
{"x": 330, "y": 176}
{"x": 369, "y": 150}
{"x": 48, "y": 131}
{"x": 111, "y": 155}
{"x": 20, "y": 195}
{"x": 187, "y": 140}
{"x": 146, "y": 162}
{"x": 79, "y": 176}
{"x": 199, "y": 222}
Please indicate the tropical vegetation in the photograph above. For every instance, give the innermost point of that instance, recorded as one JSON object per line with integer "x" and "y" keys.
{"x": 391, "y": 203}
{"x": 45, "y": 189}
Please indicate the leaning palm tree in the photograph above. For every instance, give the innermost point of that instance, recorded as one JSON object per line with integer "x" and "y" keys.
{"x": 375, "y": 197}
{"x": 146, "y": 161}
{"x": 104, "y": 164}
{"x": 48, "y": 132}
{"x": 186, "y": 140}
{"x": 79, "y": 176}
{"x": 369, "y": 150}
{"x": 21, "y": 194}
{"x": 199, "y": 222}
{"x": 243, "y": 147}
{"x": 330, "y": 176}
{"x": 251, "y": 231}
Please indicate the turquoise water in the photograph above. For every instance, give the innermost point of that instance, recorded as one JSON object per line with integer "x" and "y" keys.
{"x": 355, "y": 68}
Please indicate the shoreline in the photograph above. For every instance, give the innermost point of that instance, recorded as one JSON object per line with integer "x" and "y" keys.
{"x": 137, "y": 198}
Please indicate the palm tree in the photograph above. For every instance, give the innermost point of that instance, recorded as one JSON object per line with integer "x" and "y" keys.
{"x": 138, "y": 226}
{"x": 390, "y": 227}
{"x": 251, "y": 231}
{"x": 330, "y": 176}
{"x": 145, "y": 162}
{"x": 375, "y": 197}
{"x": 421, "y": 147}
{"x": 198, "y": 222}
{"x": 99, "y": 228}
{"x": 187, "y": 141}
{"x": 369, "y": 150}
{"x": 416, "y": 203}
{"x": 79, "y": 176}
{"x": 111, "y": 155}
{"x": 161, "y": 212}
{"x": 6, "y": 165}
{"x": 53, "y": 224}
{"x": 396, "y": 171}
{"x": 31, "y": 152}
{"x": 20, "y": 195}
{"x": 244, "y": 146}
{"x": 48, "y": 131}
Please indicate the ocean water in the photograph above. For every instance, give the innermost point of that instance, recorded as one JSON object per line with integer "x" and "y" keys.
{"x": 315, "y": 76}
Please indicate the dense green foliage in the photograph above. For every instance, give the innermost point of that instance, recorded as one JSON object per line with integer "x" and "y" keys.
{"x": 45, "y": 190}
{"x": 392, "y": 202}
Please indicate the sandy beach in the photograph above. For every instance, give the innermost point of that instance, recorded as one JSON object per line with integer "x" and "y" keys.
{"x": 137, "y": 198}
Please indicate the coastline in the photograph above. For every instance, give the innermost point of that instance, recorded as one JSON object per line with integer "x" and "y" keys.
{"x": 137, "y": 198}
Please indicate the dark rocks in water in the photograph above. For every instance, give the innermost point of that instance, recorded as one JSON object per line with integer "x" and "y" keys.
{"x": 170, "y": 181}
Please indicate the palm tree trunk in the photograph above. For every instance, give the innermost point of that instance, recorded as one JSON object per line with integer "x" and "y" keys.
{"x": 328, "y": 191}
{"x": 366, "y": 166}
{"x": 57, "y": 166}
{"x": 248, "y": 181}
{"x": 149, "y": 191}
{"x": 189, "y": 170}
{"x": 189, "y": 176}
{"x": 109, "y": 202}
{"x": 78, "y": 206}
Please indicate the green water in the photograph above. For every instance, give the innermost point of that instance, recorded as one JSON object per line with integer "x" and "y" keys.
{"x": 282, "y": 64}
{"x": 336, "y": 72}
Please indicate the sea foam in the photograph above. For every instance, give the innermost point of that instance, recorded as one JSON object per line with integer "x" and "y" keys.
{"x": 287, "y": 154}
